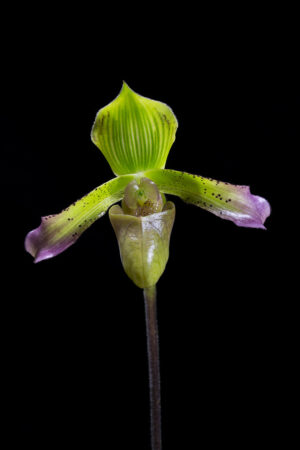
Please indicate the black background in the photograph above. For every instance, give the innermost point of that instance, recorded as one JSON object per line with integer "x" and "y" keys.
{"x": 74, "y": 347}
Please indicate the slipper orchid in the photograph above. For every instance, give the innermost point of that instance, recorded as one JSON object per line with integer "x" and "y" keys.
{"x": 135, "y": 135}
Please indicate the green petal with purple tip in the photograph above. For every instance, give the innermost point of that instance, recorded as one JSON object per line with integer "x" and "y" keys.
{"x": 228, "y": 201}
{"x": 59, "y": 231}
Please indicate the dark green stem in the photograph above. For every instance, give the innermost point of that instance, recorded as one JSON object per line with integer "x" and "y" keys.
{"x": 153, "y": 363}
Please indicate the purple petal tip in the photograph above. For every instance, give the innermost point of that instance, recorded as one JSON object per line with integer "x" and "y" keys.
{"x": 254, "y": 212}
{"x": 42, "y": 243}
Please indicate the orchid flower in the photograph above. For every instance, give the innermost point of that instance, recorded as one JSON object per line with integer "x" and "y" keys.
{"x": 135, "y": 135}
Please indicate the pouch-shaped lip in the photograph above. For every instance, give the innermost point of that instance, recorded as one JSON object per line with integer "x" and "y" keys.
{"x": 143, "y": 243}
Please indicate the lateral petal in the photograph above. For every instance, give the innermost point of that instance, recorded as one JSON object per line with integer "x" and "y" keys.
{"x": 59, "y": 231}
{"x": 228, "y": 201}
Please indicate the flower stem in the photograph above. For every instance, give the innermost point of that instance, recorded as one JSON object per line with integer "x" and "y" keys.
{"x": 153, "y": 364}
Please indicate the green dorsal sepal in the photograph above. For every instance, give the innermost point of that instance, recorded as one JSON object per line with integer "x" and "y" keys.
{"x": 134, "y": 133}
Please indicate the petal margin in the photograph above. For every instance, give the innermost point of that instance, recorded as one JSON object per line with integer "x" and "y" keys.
{"x": 59, "y": 231}
{"x": 228, "y": 201}
{"x": 134, "y": 133}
